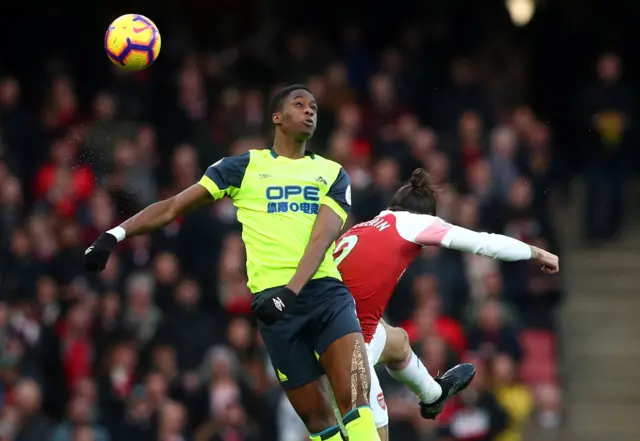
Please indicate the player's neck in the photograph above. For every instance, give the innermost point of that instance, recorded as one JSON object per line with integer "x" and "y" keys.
{"x": 289, "y": 147}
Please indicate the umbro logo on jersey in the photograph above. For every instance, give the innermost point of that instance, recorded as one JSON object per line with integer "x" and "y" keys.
{"x": 263, "y": 175}
{"x": 321, "y": 180}
{"x": 278, "y": 303}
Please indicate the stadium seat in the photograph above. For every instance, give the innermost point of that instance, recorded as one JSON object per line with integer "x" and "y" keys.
{"x": 540, "y": 357}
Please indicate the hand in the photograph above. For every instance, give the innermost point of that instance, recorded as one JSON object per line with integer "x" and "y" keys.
{"x": 271, "y": 307}
{"x": 549, "y": 262}
{"x": 97, "y": 255}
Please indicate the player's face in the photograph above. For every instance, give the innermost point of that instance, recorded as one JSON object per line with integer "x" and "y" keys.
{"x": 299, "y": 114}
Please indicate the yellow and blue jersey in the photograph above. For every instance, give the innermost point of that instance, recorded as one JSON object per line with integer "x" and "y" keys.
{"x": 278, "y": 199}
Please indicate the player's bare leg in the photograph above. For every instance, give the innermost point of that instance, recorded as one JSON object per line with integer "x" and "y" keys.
{"x": 397, "y": 347}
{"x": 347, "y": 367}
{"x": 311, "y": 403}
{"x": 383, "y": 433}
{"x": 405, "y": 366}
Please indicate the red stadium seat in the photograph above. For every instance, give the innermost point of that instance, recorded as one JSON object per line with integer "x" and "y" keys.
{"x": 540, "y": 357}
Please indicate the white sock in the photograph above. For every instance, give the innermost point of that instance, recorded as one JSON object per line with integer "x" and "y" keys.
{"x": 415, "y": 376}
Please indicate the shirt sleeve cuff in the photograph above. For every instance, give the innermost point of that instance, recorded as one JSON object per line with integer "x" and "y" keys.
{"x": 337, "y": 209}
{"x": 211, "y": 187}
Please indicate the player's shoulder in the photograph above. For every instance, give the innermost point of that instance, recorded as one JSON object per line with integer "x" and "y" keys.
{"x": 333, "y": 170}
{"x": 235, "y": 161}
{"x": 409, "y": 225}
{"x": 324, "y": 160}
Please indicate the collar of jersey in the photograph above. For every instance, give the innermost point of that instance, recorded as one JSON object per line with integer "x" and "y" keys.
{"x": 306, "y": 153}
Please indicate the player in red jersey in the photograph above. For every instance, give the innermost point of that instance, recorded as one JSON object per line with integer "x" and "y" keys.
{"x": 373, "y": 255}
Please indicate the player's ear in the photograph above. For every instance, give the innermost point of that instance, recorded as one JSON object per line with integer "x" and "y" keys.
{"x": 275, "y": 118}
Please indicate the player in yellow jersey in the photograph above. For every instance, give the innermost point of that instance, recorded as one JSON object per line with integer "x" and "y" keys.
{"x": 292, "y": 205}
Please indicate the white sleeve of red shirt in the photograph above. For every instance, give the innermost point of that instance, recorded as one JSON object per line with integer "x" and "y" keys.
{"x": 427, "y": 230}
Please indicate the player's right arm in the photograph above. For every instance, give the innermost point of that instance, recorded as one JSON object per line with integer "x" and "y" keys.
{"x": 221, "y": 179}
{"x": 162, "y": 213}
{"x": 432, "y": 231}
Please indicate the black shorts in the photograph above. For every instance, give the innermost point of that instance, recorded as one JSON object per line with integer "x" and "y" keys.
{"x": 324, "y": 312}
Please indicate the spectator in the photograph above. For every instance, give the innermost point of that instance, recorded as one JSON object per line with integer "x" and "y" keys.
{"x": 172, "y": 422}
{"x": 490, "y": 335}
{"x": 512, "y": 395}
{"x": 139, "y": 422}
{"x": 163, "y": 360}
{"x": 548, "y": 398}
{"x": 606, "y": 114}
{"x": 60, "y": 183}
{"x": 79, "y": 416}
{"x": 83, "y": 433}
{"x": 142, "y": 316}
{"x": 104, "y": 130}
{"x": 33, "y": 426}
{"x": 183, "y": 321}
{"x": 75, "y": 337}
{"x": 116, "y": 386}
{"x": 476, "y": 414}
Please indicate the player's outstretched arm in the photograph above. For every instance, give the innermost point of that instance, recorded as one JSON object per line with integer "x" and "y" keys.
{"x": 498, "y": 246}
{"x": 429, "y": 230}
{"x": 325, "y": 231}
{"x": 162, "y": 213}
{"x": 152, "y": 218}
{"x": 220, "y": 180}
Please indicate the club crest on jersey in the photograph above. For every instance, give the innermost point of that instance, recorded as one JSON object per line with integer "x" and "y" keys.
{"x": 381, "y": 401}
{"x": 293, "y": 198}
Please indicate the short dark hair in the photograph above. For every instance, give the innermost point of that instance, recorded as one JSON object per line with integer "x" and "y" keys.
{"x": 417, "y": 196}
{"x": 275, "y": 105}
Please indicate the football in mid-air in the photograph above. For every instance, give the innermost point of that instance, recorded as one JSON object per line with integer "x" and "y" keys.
{"x": 132, "y": 42}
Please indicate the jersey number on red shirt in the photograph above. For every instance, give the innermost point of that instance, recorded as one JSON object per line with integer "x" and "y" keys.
{"x": 344, "y": 247}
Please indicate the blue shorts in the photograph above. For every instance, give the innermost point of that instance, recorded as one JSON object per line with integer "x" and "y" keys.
{"x": 324, "y": 312}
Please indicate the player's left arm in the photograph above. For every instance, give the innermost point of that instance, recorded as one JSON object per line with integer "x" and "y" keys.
{"x": 331, "y": 218}
{"x": 429, "y": 230}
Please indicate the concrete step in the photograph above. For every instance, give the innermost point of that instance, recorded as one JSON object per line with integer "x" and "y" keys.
{"x": 600, "y": 329}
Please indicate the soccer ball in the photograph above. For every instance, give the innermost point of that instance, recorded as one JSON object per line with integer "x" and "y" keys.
{"x": 132, "y": 42}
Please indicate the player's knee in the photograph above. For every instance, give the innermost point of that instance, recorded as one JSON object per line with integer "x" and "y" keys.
{"x": 356, "y": 393}
{"x": 405, "y": 346}
{"x": 349, "y": 400}
{"x": 400, "y": 347}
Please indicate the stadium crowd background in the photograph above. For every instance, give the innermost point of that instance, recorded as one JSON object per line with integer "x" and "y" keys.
{"x": 161, "y": 345}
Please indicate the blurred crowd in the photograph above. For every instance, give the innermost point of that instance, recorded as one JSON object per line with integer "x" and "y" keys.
{"x": 161, "y": 345}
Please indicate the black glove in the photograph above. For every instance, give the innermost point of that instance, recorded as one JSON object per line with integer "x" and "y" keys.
{"x": 271, "y": 307}
{"x": 97, "y": 255}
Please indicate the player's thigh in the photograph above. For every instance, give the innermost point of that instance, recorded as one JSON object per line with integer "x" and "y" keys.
{"x": 311, "y": 402}
{"x": 292, "y": 356}
{"x": 397, "y": 348}
{"x": 376, "y": 400}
